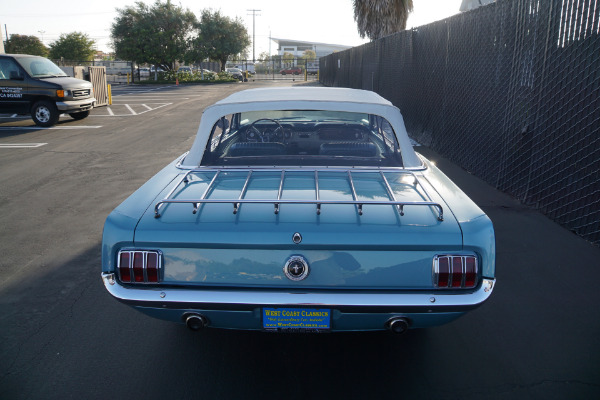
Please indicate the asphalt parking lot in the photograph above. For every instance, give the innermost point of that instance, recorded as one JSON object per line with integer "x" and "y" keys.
{"x": 63, "y": 337}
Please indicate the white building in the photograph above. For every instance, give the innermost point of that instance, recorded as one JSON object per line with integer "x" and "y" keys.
{"x": 298, "y": 47}
{"x": 468, "y": 5}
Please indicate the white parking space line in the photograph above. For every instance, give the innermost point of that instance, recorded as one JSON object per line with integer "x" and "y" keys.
{"x": 8, "y": 128}
{"x": 130, "y": 109}
{"x": 140, "y": 96}
{"x": 20, "y": 145}
{"x": 14, "y": 116}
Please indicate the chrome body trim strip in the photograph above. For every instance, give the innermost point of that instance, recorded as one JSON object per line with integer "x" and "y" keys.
{"x": 234, "y": 299}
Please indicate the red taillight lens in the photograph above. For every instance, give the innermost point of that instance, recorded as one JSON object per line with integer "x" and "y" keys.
{"x": 137, "y": 266}
{"x": 443, "y": 272}
{"x": 124, "y": 270}
{"x": 470, "y": 272}
{"x": 152, "y": 267}
{"x": 455, "y": 271}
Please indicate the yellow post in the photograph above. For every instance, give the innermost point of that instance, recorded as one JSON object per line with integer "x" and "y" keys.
{"x": 109, "y": 95}
{"x": 128, "y": 78}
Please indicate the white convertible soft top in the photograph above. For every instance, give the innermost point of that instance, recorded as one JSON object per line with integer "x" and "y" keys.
{"x": 302, "y": 98}
{"x": 291, "y": 94}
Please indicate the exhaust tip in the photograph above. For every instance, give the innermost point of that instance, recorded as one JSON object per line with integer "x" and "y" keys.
{"x": 397, "y": 325}
{"x": 195, "y": 322}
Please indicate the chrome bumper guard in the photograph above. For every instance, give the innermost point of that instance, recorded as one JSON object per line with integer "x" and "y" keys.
{"x": 231, "y": 299}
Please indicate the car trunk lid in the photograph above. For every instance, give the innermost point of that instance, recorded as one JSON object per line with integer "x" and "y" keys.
{"x": 352, "y": 229}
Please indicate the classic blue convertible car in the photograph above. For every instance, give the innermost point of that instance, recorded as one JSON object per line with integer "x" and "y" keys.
{"x": 302, "y": 209}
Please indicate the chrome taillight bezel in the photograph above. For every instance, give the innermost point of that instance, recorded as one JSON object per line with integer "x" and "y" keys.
{"x": 452, "y": 260}
{"x": 144, "y": 253}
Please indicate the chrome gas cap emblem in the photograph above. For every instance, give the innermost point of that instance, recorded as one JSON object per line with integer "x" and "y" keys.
{"x": 296, "y": 268}
{"x": 297, "y": 238}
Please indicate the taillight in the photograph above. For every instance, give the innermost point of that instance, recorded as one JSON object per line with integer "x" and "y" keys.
{"x": 139, "y": 266}
{"x": 470, "y": 272}
{"x": 455, "y": 271}
{"x": 124, "y": 267}
{"x": 443, "y": 272}
{"x": 152, "y": 267}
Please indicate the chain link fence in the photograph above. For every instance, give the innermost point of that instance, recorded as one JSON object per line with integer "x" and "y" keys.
{"x": 279, "y": 68}
{"x": 509, "y": 91}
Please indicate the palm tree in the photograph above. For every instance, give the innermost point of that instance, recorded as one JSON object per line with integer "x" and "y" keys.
{"x": 379, "y": 18}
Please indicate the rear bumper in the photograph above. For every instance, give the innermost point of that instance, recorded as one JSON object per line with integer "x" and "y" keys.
{"x": 76, "y": 105}
{"x": 240, "y": 309}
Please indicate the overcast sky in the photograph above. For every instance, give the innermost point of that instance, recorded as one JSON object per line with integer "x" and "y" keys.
{"x": 324, "y": 21}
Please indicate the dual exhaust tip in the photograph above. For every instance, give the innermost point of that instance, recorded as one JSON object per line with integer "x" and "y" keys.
{"x": 196, "y": 322}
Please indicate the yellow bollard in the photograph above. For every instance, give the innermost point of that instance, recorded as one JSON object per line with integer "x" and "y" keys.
{"x": 109, "y": 95}
{"x": 128, "y": 78}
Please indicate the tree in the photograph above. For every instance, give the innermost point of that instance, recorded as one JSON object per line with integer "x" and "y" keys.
{"x": 73, "y": 46}
{"x": 24, "y": 44}
{"x": 158, "y": 34}
{"x": 219, "y": 37}
{"x": 264, "y": 56}
{"x": 288, "y": 58}
{"x": 379, "y": 18}
{"x": 309, "y": 55}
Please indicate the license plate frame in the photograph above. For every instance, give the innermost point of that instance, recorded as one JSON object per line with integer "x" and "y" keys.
{"x": 294, "y": 319}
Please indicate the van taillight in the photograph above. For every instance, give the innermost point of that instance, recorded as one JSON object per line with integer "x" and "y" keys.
{"x": 139, "y": 266}
{"x": 455, "y": 271}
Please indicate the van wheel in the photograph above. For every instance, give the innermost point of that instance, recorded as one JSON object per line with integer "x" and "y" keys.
{"x": 44, "y": 113}
{"x": 80, "y": 115}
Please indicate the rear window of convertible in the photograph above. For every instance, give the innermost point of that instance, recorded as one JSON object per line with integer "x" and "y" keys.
{"x": 302, "y": 138}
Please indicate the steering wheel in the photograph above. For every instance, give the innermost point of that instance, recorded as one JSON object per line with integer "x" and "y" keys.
{"x": 265, "y": 135}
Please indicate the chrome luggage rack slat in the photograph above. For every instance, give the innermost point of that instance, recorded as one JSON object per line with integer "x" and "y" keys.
{"x": 317, "y": 200}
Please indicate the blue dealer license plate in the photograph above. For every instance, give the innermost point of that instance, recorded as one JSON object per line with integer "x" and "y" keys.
{"x": 303, "y": 319}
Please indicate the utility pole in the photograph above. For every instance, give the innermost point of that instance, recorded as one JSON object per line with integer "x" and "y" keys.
{"x": 42, "y": 33}
{"x": 254, "y": 14}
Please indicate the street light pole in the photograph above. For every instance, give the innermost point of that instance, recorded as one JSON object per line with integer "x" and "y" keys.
{"x": 254, "y": 14}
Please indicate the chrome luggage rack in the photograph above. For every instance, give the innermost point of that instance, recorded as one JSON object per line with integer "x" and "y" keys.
{"x": 317, "y": 201}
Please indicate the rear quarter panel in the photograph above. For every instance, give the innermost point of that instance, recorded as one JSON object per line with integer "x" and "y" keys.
{"x": 120, "y": 224}
{"x": 477, "y": 229}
